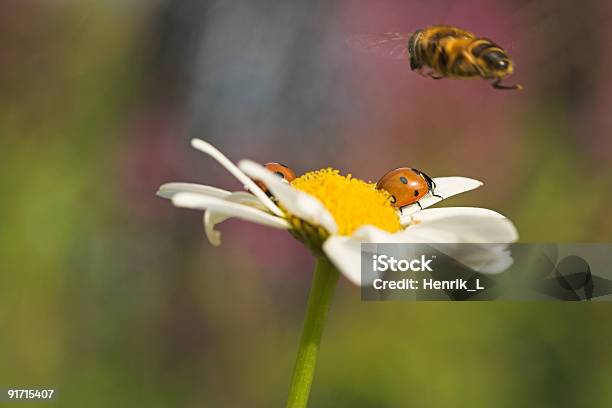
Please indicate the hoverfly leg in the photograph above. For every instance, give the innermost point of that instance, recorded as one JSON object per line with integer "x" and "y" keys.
{"x": 419, "y": 71}
{"x": 429, "y": 74}
{"x": 498, "y": 85}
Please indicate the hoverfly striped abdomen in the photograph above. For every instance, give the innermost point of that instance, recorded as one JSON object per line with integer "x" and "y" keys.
{"x": 492, "y": 55}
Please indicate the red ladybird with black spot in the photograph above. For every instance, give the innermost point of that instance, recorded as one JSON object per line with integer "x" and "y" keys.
{"x": 406, "y": 186}
{"x": 282, "y": 171}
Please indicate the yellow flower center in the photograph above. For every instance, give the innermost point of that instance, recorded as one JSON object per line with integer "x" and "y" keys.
{"x": 352, "y": 202}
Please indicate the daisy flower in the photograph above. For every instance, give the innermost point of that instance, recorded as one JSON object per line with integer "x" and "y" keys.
{"x": 332, "y": 215}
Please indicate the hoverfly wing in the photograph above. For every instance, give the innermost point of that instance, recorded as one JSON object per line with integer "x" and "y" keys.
{"x": 391, "y": 45}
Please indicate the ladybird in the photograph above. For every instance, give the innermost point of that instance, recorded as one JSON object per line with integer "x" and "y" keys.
{"x": 282, "y": 171}
{"x": 406, "y": 186}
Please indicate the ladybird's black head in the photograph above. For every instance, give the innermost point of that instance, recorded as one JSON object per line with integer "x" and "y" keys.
{"x": 430, "y": 183}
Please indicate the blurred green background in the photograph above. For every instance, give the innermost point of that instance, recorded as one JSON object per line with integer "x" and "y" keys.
{"x": 115, "y": 298}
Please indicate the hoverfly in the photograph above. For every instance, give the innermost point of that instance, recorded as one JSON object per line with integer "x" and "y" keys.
{"x": 448, "y": 52}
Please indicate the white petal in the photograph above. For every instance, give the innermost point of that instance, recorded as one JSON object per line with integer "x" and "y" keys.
{"x": 462, "y": 224}
{"x": 169, "y": 190}
{"x": 236, "y": 172}
{"x": 345, "y": 251}
{"x": 213, "y": 217}
{"x": 435, "y": 226}
{"x": 445, "y": 187}
{"x": 297, "y": 202}
{"x": 490, "y": 258}
{"x": 242, "y": 197}
{"x": 219, "y": 208}
{"x": 210, "y": 219}
{"x": 466, "y": 225}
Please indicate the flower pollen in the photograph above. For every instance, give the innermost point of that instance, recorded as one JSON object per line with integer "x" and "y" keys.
{"x": 352, "y": 202}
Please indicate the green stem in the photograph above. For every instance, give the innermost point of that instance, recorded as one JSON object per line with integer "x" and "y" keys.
{"x": 321, "y": 293}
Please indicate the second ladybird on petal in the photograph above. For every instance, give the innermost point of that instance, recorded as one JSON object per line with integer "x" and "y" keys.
{"x": 282, "y": 171}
